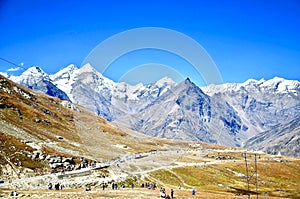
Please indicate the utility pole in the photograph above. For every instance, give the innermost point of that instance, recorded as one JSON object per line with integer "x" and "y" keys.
{"x": 256, "y": 176}
{"x": 250, "y": 177}
{"x": 247, "y": 175}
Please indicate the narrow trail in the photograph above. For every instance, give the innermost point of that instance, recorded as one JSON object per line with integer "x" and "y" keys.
{"x": 155, "y": 180}
{"x": 181, "y": 180}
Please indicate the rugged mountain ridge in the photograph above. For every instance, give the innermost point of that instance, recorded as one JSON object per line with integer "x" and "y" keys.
{"x": 281, "y": 139}
{"x": 188, "y": 114}
{"x": 263, "y": 103}
{"x": 107, "y": 98}
{"x": 227, "y": 114}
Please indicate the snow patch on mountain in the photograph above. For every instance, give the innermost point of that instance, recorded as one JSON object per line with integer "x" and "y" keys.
{"x": 4, "y": 74}
{"x": 35, "y": 78}
{"x": 64, "y": 79}
{"x": 31, "y": 76}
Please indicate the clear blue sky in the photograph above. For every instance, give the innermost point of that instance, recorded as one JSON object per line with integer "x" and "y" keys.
{"x": 246, "y": 39}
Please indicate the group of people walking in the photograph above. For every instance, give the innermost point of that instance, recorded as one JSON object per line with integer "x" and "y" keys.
{"x": 163, "y": 193}
{"x": 57, "y": 186}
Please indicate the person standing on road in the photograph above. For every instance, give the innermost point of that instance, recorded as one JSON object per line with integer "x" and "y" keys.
{"x": 50, "y": 186}
{"x": 193, "y": 191}
{"x": 113, "y": 186}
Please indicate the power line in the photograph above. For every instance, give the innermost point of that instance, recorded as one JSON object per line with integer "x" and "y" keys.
{"x": 20, "y": 66}
{"x": 10, "y": 62}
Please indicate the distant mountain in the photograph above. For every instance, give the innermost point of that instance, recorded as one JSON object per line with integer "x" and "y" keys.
{"x": 261, "y": 104}
{"x": 186, "y": 113}
{"x": 227, "y": 114}
{"x": 281, "y": 139}
{"x": 109, "y": 99}
{"x": 35, "y": 78}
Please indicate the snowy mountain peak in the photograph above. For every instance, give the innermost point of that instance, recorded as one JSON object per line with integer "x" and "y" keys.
{"x": 64, "y": 78}
{"x": 187, "y": 83}
{"x": 31, "y": 76}
{"x": 69, "y": 69}
{"x": 273, "y": 82}
{"x": 277, "y": 79}
{"x": 276, "y": 85}
{"x": 281, "y": 85}
{"x": 165, "y": 81}
{"x": 35, "y": 71}
{"x": 65, "y": 73}
{"x": 249, "y": 81}
{"x": 187, "y": 87}
{"x": 87, "y": 68}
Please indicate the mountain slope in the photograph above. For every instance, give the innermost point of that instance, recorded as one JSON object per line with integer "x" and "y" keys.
{"x": 33, "y": 123}
{"x": 284, "y": 139}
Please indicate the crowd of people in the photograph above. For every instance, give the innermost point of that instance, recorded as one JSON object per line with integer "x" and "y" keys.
{"x": 152, "y": 186}
{"x": 114, "y": 186}
{"x": 149, "y": 185}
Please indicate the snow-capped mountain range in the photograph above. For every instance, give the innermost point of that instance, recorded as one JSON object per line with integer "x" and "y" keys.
{"x": 227, "y": 114}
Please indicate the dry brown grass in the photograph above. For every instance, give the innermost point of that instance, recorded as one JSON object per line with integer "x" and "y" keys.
{"x": 12, "y": 152}
{"x": 279, "y": 179}
{"x": 53, "y": 118}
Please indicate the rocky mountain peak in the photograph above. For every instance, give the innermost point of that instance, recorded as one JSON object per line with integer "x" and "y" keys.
{"x": 188, "y": 80}
{"x": 188, "y": 87}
